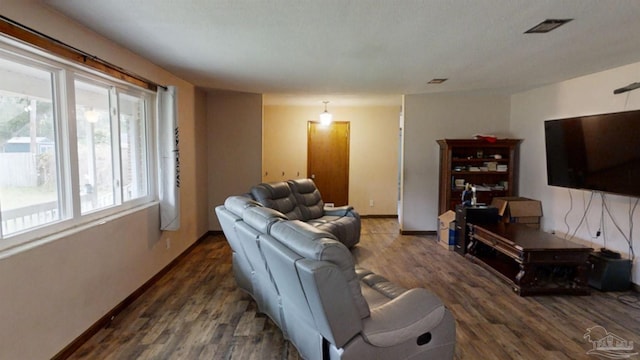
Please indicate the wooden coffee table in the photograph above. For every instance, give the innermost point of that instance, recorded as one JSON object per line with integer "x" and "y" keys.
{"x": 531, "y": 261}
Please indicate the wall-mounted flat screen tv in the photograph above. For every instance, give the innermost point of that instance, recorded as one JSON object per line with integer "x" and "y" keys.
{"x": 596, "y": 152}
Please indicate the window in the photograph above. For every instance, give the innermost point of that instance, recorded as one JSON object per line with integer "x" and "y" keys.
{"x": 95, "y": 148}
{"x": 29, "y": 194}
{"x": 73, "y": 145}
{"x": 133, "y": 138}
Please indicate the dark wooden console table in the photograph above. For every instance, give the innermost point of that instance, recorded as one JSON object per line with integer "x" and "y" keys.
{"x": 532, "y": 261}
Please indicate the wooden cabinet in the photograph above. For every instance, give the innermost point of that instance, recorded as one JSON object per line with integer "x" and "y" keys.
{"x": 492, "y": 167}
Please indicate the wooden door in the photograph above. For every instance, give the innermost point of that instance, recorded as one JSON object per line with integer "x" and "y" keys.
{"x": 328, "y": 160}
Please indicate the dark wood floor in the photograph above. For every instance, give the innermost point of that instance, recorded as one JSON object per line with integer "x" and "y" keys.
{"x": 196, "y": 311}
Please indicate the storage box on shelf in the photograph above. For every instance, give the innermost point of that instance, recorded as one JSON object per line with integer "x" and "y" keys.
{"x": 518, "y": 209}
{"x": 490, "y": 166}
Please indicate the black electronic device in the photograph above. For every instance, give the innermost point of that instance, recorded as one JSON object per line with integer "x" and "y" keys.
{"x": 609, "y": 253}
{"x": 475, "y": 215}
{"x": 596, "y": 152}
{"x": 609, "y": 274}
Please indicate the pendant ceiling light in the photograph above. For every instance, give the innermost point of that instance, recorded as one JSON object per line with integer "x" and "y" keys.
{"x": 325, "y": 117}
{"x": 91, "y": 116}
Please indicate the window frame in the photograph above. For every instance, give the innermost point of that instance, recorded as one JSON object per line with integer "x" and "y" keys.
{"x": 64, "y": 74}
{"x": 146, "y": 132}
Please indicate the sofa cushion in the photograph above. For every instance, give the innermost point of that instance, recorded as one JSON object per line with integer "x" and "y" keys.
{"x": 237, "y": 204}
{"x": 345, "y": 228}
{"x": 277, "y": 196}
{"x": 391, "y": 324}
{"x": 383, "y": 286}
{"x": 312, "y": 243}
{"x": 261, "y": 218}
{"x": 308, "y": 198}
{"x": 362, "y": 272}
{"x": 376, "y": 289}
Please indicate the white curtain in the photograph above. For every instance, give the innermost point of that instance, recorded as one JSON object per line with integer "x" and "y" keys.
{"x": 168, "y": 160}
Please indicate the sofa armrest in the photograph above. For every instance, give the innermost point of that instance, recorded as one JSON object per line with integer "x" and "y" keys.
{"x": 415, "y": 312}
{"x": 331, "y": 300}
{"x": 338, "y": 211}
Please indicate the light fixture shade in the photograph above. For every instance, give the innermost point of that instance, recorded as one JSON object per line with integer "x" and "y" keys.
{"x": 326, "y": 118}
{"x": 91, "y": 116}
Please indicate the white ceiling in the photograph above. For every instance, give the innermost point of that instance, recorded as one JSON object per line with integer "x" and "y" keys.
{"x": 297, "y": 50}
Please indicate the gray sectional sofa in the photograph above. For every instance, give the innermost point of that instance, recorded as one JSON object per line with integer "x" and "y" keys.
{"x": 300, "y": 200}
{"x": 306, "y": 281}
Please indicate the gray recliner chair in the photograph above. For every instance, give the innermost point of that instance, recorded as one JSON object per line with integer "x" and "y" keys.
{"x": 229, "y": 215}
{"x": 242, "y": 224}
{"x": 306, "y": 281}
{"x": 301, "y": 200}
{"x": 333, "y": 310}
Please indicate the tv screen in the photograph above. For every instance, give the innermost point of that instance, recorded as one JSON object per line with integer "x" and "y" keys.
{"x": 596, "y": 152}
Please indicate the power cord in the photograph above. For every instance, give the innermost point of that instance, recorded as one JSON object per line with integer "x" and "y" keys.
{"x": 586, "y": 222}
{"x": 632, "y": 210}
{"x": 584, "y": 216}
{"x": 566, "y": 223}
{"x": 615, "y": 223}
{"x": 602, "y": 207}
{"x": 629, "y": 299}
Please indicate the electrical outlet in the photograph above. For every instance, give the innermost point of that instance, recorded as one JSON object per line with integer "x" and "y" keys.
{"x": 371, "y": 203}
{"x": 168, "y": 243}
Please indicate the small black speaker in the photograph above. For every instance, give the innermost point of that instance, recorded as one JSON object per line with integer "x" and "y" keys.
{"x": 609, "y": 274}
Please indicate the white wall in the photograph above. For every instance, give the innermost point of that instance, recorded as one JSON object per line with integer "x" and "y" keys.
{"x": 592, "y": 94}
{"x": 52, "y": 293}
{"x": 428, "y": 117}
{"x": 373, "y": 151}
{"x": 234, "y": 128}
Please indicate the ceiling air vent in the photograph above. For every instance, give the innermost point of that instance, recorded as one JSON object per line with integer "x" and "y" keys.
{"x": 547, "y": 25}
{"x": 436, "y": 81}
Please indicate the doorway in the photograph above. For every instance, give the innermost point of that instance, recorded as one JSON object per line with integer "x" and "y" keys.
{"x": 328, "y": 160}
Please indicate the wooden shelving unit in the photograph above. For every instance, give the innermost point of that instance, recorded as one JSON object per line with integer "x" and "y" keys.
{"x": 490, "y": 166}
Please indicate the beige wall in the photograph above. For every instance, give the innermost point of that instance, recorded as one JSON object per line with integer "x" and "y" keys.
{"x": 53, "y": 292}
{"x": 234, "y": 128}
{"x": 429, "y": 117}
{"x": 373, "y": 162}
{"x": 200, "y": 186}
{"x": 592, "y": 94}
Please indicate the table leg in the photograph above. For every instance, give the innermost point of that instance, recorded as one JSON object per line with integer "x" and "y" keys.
{"x": 526, "y": 276}
{"x": 581, "y": 277}
{"x": 471, "y": 248}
